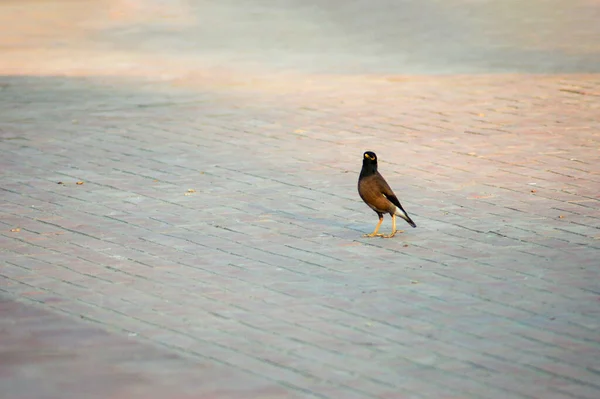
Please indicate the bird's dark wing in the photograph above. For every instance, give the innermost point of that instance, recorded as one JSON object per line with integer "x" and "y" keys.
{"x": 375, "y": 191}
{"x": 387, "y": 191}
{"x": 370, "y": 191}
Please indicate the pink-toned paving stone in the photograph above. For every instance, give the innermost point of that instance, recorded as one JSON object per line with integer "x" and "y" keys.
{"x": 45, "y": 355}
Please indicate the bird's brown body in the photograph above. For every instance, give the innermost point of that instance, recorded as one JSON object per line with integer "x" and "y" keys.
{"x": 376, "y": 193}
{"x": 374, "y": 190}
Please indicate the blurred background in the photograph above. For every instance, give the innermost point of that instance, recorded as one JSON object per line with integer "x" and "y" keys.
{"x": 169, "y": 37}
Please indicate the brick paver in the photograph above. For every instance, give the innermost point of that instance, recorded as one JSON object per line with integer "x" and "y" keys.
{"x": 49, "y": 356}
{"x": 215, "y": 249}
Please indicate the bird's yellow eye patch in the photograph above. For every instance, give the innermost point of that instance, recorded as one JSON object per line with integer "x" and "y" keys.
{"x": 369, "y": 157}
{"x": 366, "y": 155}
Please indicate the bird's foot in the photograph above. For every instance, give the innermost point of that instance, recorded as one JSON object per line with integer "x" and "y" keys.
{"x": 373, "y": 235}
{"x": 393, "y": 233}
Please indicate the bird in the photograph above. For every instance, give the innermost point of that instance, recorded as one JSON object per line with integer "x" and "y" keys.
{"x": 374, "y": 190}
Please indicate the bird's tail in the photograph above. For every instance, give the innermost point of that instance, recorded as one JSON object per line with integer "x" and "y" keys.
{"x": 400, "y": 212}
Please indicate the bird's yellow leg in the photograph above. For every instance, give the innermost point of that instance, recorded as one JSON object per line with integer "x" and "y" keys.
{"x": 393, "y": 233}
{"x": 374, "y": 233}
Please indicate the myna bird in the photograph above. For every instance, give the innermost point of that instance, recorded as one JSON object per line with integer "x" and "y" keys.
{"x": 376, "y": 193}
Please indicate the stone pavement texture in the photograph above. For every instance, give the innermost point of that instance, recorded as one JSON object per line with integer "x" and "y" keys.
{"x": 214, "y": 249}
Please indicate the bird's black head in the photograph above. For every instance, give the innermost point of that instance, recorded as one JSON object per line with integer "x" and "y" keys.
{"x": 369, "y": 166}
{"x": 370, "y": 157}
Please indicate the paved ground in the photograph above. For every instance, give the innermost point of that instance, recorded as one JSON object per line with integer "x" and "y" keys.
{"x": 213, "y": 248}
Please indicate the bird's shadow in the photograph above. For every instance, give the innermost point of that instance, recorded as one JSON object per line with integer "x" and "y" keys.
{"x": 329, "y": 226}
